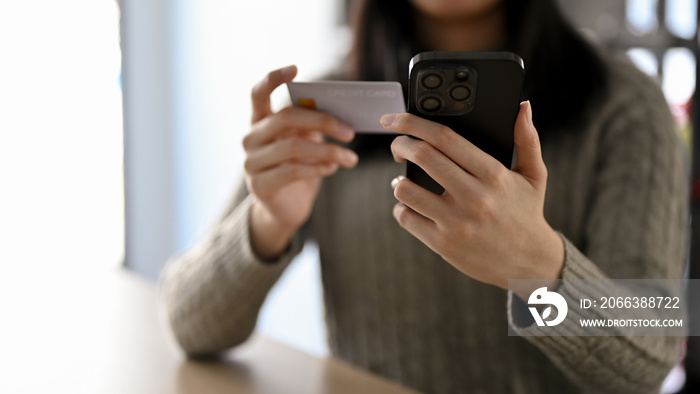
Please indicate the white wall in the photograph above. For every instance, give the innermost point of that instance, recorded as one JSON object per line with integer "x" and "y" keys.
{"x": 61, "y": 185}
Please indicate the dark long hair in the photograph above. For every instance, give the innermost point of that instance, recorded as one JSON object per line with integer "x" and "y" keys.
{"x": 564, "y": 74}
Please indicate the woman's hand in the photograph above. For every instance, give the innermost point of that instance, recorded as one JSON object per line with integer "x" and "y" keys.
{"x": 286, "y": 158}
{"x": 489, "y": 222}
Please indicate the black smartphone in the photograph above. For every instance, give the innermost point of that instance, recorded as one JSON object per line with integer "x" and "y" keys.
{"x": 476, "y": 94}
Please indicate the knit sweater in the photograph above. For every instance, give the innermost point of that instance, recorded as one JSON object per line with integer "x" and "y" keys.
{"x": 616, "y": 193}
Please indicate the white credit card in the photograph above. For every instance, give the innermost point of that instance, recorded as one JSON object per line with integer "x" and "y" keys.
{"x": 359, "y": 104}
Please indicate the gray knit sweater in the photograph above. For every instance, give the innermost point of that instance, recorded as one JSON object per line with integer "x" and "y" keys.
{"x": 616, "y": 192}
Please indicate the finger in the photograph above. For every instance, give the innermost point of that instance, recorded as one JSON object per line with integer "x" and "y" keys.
{"x": 453, "y": 145}
{"x": 300, "y": 150}
{"x": 274, "y": 126}
{"x": 266, "y": 182}
{"x": 426, "y": 203}
{"x": 417, "y": 225}
{"x": 434, "y": 162}
{"x": 529, "y": 161}
{"x": 308, "y": 134}
{"x": 260, "y": 95}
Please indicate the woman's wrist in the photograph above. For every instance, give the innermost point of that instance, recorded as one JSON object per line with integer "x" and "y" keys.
{"x": 268, "y": 238}
{"x": 554, "y": 256}
{"x": 547, "y": 268}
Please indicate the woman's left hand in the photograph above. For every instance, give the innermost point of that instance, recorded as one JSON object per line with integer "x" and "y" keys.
{"x": 489, "y": 223}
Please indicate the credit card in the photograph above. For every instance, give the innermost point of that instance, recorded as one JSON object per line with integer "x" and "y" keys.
{"x": 358, "y": 104}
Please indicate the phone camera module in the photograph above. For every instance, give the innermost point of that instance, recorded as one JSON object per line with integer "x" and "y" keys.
{"x": 460, "y": 93}
{"x": 430, "y": 104}
{"x": 431, "y": 81}
{"x": 443, "y": 89}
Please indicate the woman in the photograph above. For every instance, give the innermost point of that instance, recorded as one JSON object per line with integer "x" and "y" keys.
{"x": 609, "y": 163}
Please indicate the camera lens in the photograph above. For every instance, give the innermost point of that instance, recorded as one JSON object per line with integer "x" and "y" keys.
{"x": 460, "y": 93}
{"x": 430, "y": 104}
{"x": 431, "y": 81}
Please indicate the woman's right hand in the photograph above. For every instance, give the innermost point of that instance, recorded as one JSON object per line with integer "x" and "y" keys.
{"x": 286, "y": 159}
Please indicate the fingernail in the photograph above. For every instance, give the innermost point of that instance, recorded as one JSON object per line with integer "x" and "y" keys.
{"x": 396, "y": 181}
{"x": 346, "y": 131}
{"x": 387, "y": 120}
{"x": 529, "y": 113}
{"x": 350, "y": 157}
{"x": 289, "y": 70}
{"x": 397, "y": 209}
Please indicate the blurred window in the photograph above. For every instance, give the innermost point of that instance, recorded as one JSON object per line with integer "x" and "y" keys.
{"x": 60, "y": 134}
{"x": 681, "y": 17}
{"x": 641, "y": 16}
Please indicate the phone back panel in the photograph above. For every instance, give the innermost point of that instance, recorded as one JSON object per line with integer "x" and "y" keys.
{"x": 494, "y": 104}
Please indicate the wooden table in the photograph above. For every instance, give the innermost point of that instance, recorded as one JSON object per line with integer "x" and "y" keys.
{"x": 99, "y": 332}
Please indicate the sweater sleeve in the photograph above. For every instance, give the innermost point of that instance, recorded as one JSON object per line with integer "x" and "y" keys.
{"x": 211, "y": 294}
{"x": 635, "y": 228}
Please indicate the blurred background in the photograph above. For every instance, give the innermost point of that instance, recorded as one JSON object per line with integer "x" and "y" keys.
{"x": 121, "y": 122}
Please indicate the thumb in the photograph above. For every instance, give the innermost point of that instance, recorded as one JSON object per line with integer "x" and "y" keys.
{"x": 529, "y": 161}
{"x": 262, "y": 90}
